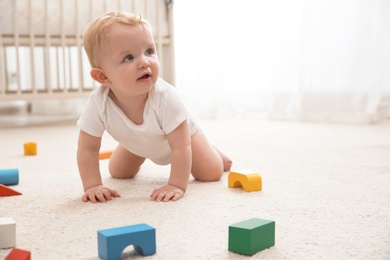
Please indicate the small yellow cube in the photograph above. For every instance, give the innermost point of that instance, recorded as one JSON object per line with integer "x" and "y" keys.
{"x": 30, "y": 148}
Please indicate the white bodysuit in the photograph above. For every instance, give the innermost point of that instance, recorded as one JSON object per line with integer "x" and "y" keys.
{"x": 163, "y": 113}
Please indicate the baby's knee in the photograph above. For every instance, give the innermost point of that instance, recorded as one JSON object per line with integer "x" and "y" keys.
{"x": 210, "y": 175}
{"x": 115, "y": 175}
{"x": 209, "y": 178}
{"x": 122, "y": 173}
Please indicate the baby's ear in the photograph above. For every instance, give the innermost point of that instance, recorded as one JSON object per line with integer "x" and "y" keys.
{"x": 98, "y": 75}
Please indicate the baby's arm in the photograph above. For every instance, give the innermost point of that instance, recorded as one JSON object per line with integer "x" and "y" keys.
{"x": 88, "y": 163}
{"x": 180, "y": 143}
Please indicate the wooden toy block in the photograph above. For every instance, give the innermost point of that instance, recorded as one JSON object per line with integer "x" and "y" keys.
{"x": 251, "y": 236}
{"x": 7, "y": 232}
{"x": 18, "y": 254}
{"x": 112, "y": 242}
{"x": 7, "y": 191}
{"x": 105, "y": 154}
{"x": 249, "y": 181}
{"x": 9, "y": 176}
{"x": 30, "y": 148}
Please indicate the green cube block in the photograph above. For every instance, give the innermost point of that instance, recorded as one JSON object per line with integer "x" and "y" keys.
{"x": 251, "y": 236}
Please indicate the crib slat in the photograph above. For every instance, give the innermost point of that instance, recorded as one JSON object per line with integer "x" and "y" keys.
{"x": 79, "y": 49}
{"x": 47, "y": 51}
{"x": 17, "y": 45}
{"x": 2, "y": 66}
{"x": 32, "y": 46}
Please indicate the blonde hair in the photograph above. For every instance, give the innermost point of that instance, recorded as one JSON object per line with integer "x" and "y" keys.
{"x": 96, "y": 31}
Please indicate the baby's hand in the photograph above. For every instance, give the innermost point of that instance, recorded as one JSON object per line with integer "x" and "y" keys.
{"x": 167, "y": 193}
{"x": 99, "y": 193}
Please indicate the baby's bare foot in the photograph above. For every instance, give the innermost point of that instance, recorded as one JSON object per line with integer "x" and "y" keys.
{"x": 227, "y": 163}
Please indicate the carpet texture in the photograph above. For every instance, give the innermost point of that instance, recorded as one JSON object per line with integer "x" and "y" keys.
{"x": 327, "y": 186}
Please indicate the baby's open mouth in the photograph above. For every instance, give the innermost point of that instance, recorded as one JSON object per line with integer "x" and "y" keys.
{"x": 146, "y": 76}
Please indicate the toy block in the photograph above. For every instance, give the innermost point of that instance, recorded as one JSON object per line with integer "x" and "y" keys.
{"x": 18, "y": 254}
{"x": 30, "y": 148}
{"x": 7, "y": 232}
{"x": 249, "y": 181}
{"x": 112, "y": 242}
{"x": 9, "y": 176}
{"x": 251, "y": 236}
{"x": 7, "y": 191}
{"x": 105, "y": 155}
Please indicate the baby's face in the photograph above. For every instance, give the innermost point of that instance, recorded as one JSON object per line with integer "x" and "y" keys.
{"x": 129, "y": 59}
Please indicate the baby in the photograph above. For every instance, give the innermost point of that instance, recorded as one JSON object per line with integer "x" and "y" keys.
{"x": 141, "y": 111}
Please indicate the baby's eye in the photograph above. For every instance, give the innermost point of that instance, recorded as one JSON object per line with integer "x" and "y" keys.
{"x": 128, "y": 58}
{"x": 149, "y": 52}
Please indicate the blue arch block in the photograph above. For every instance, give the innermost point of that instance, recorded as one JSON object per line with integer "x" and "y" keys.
{"x": 112, "y": 242}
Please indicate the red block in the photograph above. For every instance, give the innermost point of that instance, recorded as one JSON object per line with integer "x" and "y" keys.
{"x": 18, "y": 254}
{"x": 7, "y": 191}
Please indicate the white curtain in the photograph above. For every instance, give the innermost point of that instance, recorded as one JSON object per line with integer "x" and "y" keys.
{"x": 310, "y": 60}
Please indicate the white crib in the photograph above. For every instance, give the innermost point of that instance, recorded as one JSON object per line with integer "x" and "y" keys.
{"x": 41, "y": 53}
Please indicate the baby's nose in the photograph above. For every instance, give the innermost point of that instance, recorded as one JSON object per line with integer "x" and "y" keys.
{"x": 144, "y": 63}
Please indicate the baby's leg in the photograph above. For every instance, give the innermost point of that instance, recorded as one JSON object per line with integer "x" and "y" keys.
{"x": 208, "y": 164}
{"x": 124, "y": 164}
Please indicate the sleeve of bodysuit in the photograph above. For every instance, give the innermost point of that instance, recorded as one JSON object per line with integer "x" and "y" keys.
{"x": 172, "y": 112}
{"x": 91, "y": 119}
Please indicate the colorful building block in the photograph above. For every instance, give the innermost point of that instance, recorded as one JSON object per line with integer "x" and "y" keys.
{"x": 18, "y": 254}
{"x": 112, "y": 242}
{"x": 7, "y": 191}
{"x": 30, "y": 148}
{"x": 105, "y": 154}
{"x": 249, "y": 181}
{"x": 9, "y": 176}
{"x": 251, "y": 236}
{"x": 7, "y": 232}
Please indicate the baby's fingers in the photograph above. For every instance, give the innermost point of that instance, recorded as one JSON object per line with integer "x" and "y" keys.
{"x": 89, "y": 196}
{"x": 101, "y": 195}
{"x": 168, "y": 196}
{"x": 165, "y": 196}
{"x": 155, "y": 194}
{"x": 106, "y": 194}
{"x": 177, "y": 197}
{"x": 114, "y": 193}
{"x": 85, "y": 197}
{"x": 172, "y": 196}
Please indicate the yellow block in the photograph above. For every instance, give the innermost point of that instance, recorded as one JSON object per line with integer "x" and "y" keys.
{"x": 30, "y": 148}
{"x": 249, "y": 181}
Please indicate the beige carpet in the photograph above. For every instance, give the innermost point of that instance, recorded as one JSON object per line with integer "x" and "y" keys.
{"x": 327, "y": 186}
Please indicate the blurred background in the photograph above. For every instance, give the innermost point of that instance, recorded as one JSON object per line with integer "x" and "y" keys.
{"x": 293, "y": 60}
{"x": 306, "y": 60}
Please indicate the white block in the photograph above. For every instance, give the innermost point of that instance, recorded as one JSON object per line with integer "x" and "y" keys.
{"x": 7, "y": 232}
